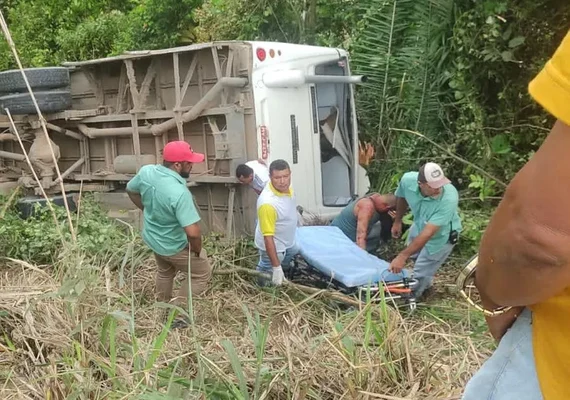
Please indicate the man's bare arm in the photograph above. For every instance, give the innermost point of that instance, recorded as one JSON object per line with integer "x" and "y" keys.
{"x": 364, "y": 210}
{"x": 194, "y": 238}
{"x": 419, "y": 241}
{"x": 401, "y": 208}
{"x": 136, "y": 199}
{"x": 271, "y": 250}
{"x": 524, "y": 256}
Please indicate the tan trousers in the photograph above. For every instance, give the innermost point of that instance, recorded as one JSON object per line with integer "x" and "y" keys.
{"x": 168, "y": 266}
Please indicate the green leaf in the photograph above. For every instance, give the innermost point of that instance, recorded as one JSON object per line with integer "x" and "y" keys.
{"x": 500, "y": 144}
{"x": 516, "y": 42}
{"x": 507, "y": 56}
{"x": 236, "y": 365}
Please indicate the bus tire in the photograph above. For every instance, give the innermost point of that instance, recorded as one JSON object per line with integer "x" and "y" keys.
{"x": 11, "y": 81}
{"x": 48, "y": 102}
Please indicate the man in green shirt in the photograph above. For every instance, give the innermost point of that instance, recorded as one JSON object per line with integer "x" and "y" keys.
{"x": 170, "y": 226}
{"x": 433, "y": 201}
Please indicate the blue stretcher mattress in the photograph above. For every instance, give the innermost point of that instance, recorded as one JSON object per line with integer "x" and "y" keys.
{"x": 328, "y": 250}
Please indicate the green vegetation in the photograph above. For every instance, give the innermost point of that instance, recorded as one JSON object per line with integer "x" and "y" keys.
{"x": 448, "y": 82}
{"x": 455, "y": 71}
{"x": 85, "y": 325}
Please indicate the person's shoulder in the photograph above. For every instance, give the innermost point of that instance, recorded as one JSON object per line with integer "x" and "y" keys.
{"x": 410, "y": 178}
{"x": 146, "y": 170}
{"x": 551, "y": 86}
{"x": 255, "y": 164}
{"x": 265, "y": 196}
{"x": 450, "y": 193}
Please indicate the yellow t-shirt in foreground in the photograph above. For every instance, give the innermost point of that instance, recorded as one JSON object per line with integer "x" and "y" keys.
{"x": 551, "y": 318}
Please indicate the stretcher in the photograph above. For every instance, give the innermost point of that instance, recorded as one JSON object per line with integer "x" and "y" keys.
{"x": 328, "y": 259}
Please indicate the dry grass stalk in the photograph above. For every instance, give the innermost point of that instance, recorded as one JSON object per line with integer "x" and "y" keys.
{"x": 88, "y": 337}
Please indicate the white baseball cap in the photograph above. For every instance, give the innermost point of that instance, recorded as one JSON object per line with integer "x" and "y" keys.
{"x": 433, "y": 175}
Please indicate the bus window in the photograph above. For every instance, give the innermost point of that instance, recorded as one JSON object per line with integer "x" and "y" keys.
{"x": 337, "y": 155}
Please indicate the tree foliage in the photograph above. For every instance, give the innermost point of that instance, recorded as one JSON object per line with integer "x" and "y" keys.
{"x": 454, "y": 70}
{"x": 49, "y": 32}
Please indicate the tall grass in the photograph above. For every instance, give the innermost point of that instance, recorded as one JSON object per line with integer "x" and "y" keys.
{"x": 84, "y": 329}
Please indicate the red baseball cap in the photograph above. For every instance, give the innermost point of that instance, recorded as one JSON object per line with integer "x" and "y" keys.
{"x": 180, "y": 151}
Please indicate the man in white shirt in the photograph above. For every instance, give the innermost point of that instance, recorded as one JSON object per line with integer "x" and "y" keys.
{"x": 253, "y": 173}
{"x": 276, "y": 228}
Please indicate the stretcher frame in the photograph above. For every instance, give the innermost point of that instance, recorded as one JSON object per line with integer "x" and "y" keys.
{"x": 398, "y": 293}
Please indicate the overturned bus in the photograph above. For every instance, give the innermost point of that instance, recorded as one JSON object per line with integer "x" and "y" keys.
{"x": 235, "y": 101}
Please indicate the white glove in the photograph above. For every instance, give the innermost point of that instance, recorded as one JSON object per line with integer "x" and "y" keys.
{"x": 278, "y": 276}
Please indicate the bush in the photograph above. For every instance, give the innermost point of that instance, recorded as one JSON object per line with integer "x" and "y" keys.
{"x": 38, "y": 240}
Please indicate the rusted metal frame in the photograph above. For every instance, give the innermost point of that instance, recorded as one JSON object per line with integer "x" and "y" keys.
{"x": 65, "y": 115}
{"x": 158, "y": 140}
{"x": 132, "y": 83}
{"x": 164, "y": 137}
{"x": 230, "y": 62}
{"x": 176, "y": 69}
{"x": 109, "y": 132}
{"x": 135, "y": 96}
{"x": 177, "y": 115}
{"x": 201, "y": 179}
{"x": 95, "y": 84}
{"x": 187, "y": 79}
{"x": 145, "y": 86}
{"x": 66, "y": 132}
{"x": 109, "y": 156}
{"x": 229, "y": 67}
{"x": 83, "y": 146}
{"x": 210, "y": 208}
{"x": 136, "y": 139}
{"x": 114, "y": 151}
{"x": 158, "y": 90}
{"x": 162, "y": 114}
{"x": 68, "y": 171}
{"x": 201, "y": 105}
{"x": 12, "y": 156}
{"x": 139, "y": 97}
{"x": 205, "y": 141}
{"x": 230, "y": 218}
{"x": 157, "y": 147}
{"x": 218, "y": 70}
{"x": 122, "y": 91}
{"x": 13, "y": 148}
{"x": 216, "y": 62}
{"x": 89, "y": 187}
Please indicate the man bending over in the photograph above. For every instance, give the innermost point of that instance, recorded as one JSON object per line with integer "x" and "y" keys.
{"x": 363, "y": 220}
{"x": 254, "y": 174}
{"x": 433, "y": 235}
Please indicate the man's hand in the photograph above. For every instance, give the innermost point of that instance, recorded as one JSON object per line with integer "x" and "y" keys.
{"x": 392, "y": 213}
{"x": 397, "y": 264}
{"x": 397, "y": 229}
{"x": 278, "y": 276}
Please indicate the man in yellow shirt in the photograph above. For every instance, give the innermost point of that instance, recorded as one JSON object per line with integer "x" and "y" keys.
{"x": 524, "y": 262}
{"x": 276, "y": 228}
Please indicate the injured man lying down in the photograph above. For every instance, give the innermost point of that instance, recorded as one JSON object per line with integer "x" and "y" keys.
{"x": 368, "y": 220}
